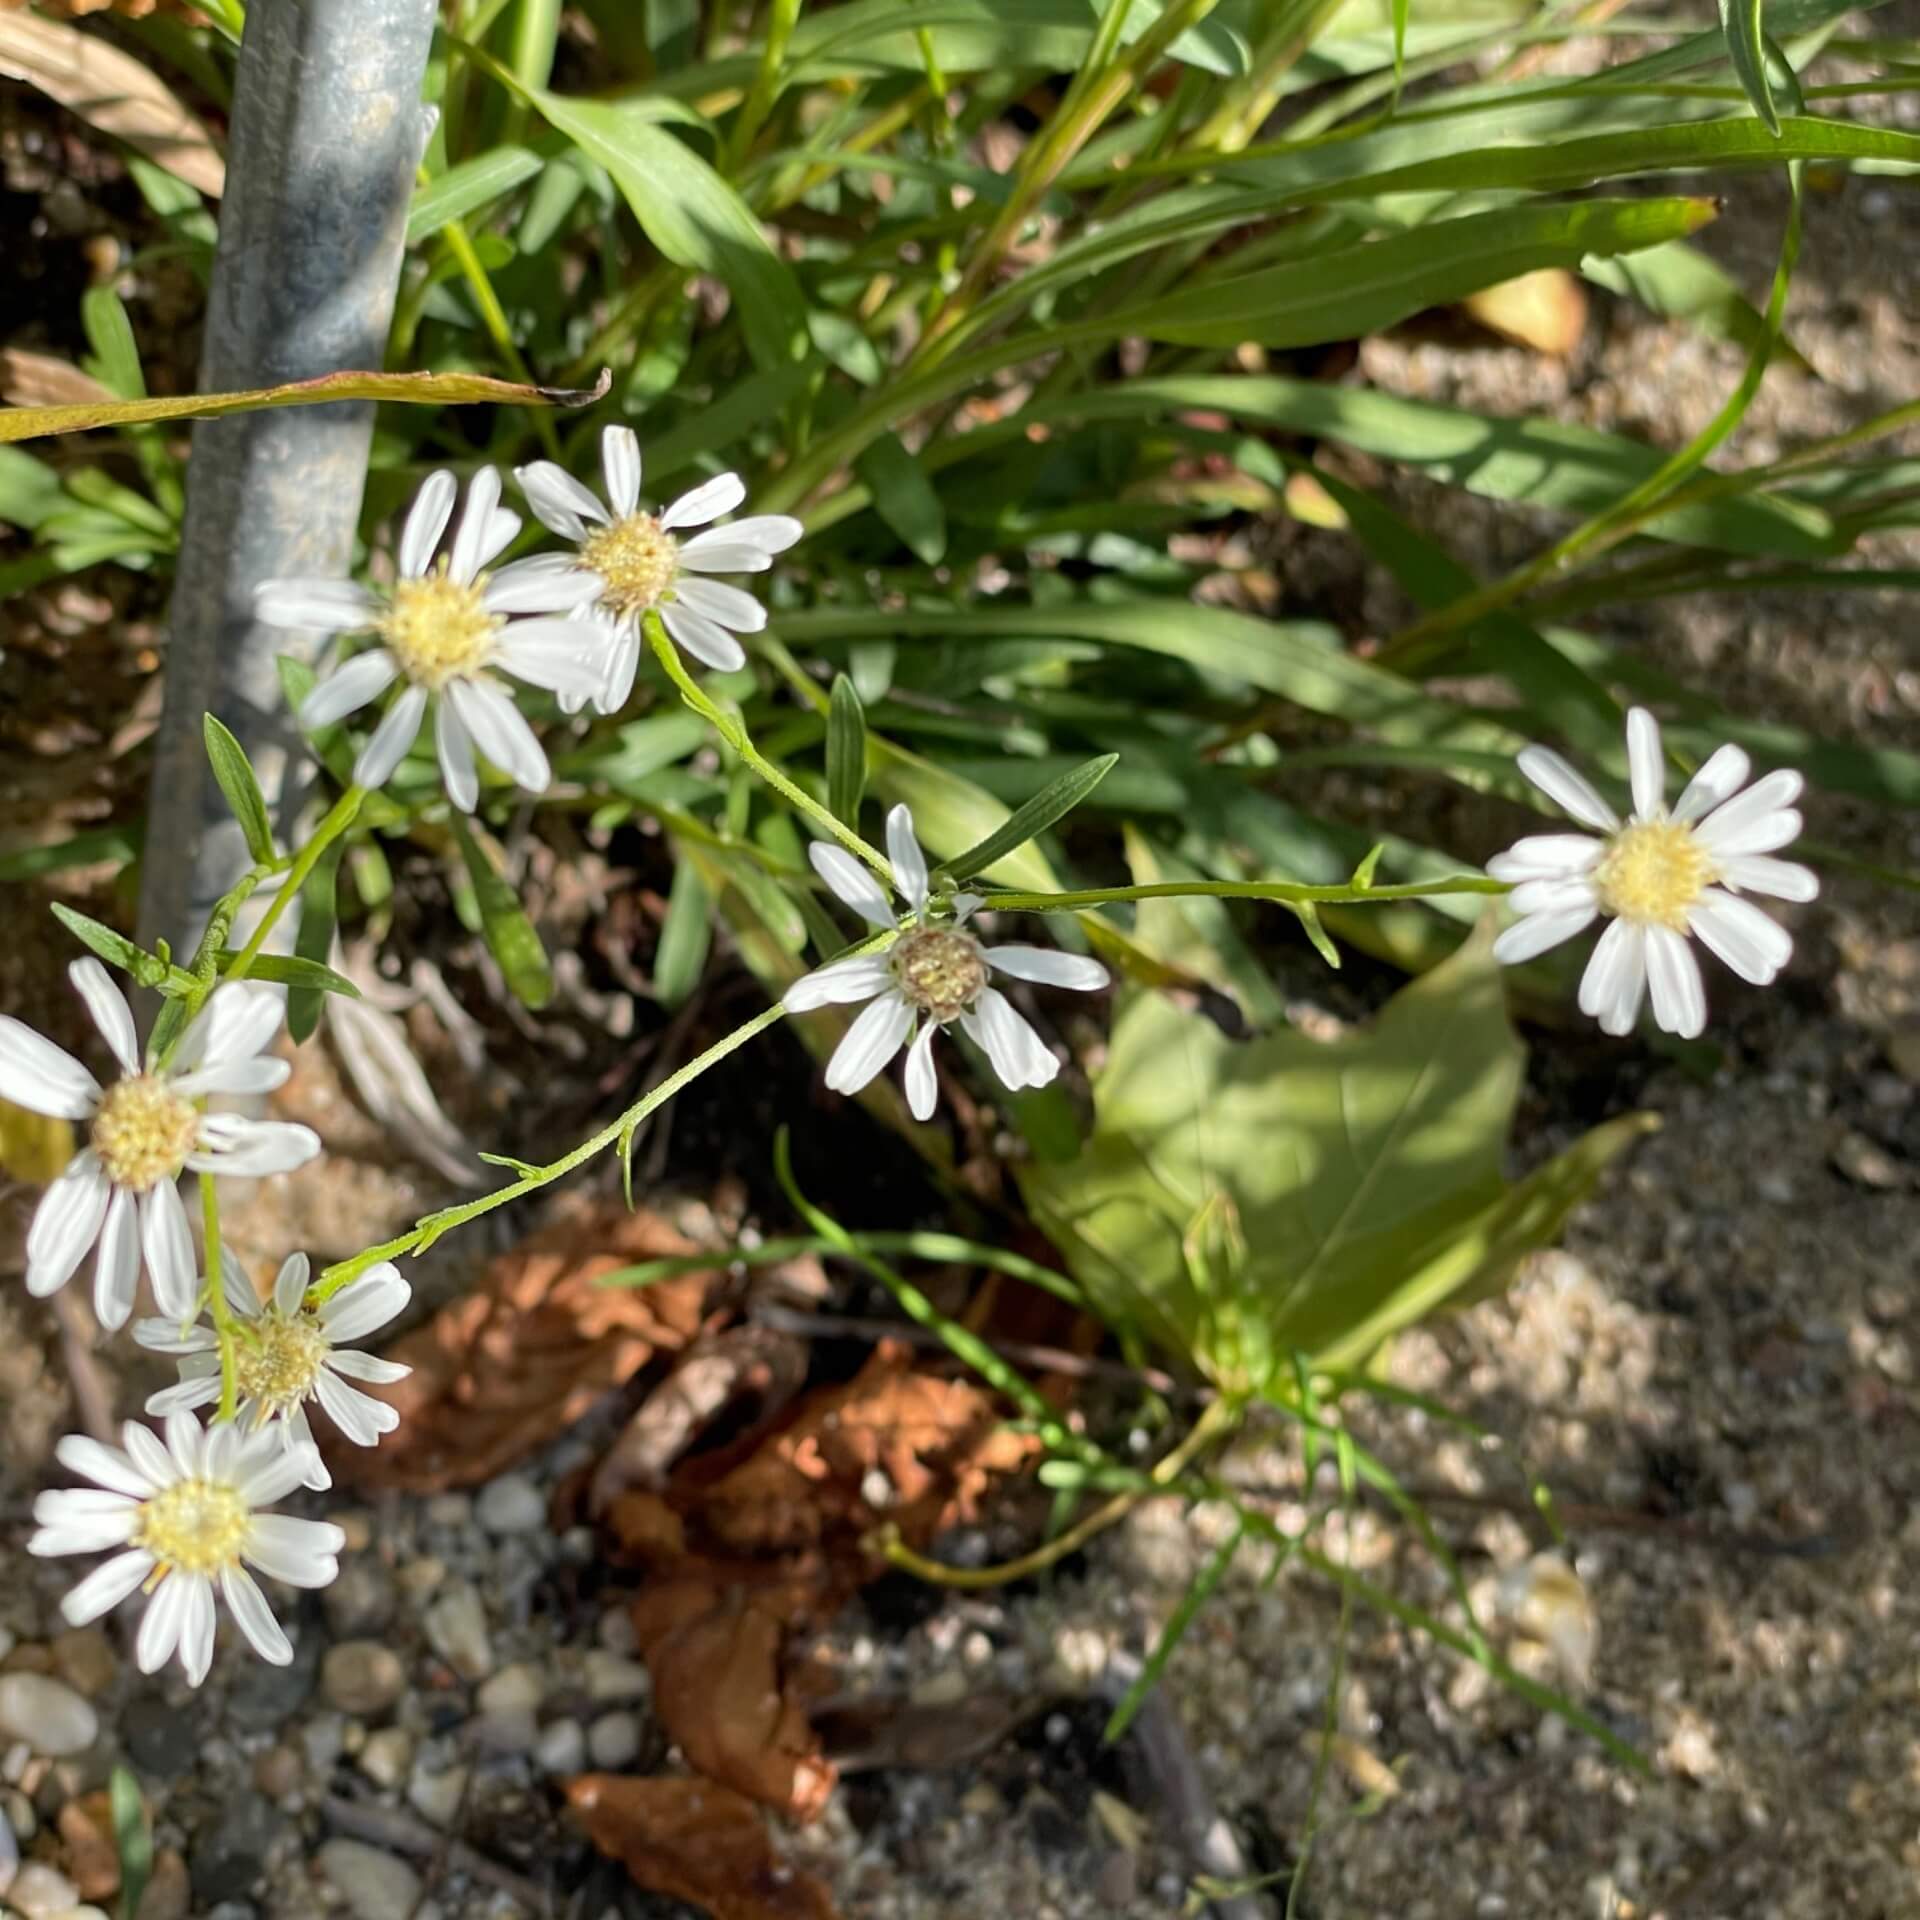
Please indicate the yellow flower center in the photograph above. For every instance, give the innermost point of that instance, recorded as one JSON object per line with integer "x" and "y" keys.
{"x": 195, "y": 1526}
{"x": 143, "y": 1132}
{"x": 279, "y": 1365}
{"x": 439, "y": 630}
{"x": 1653, "y": 872}
{"x": 939, "y": 970}
{"x": 637, "y": 559}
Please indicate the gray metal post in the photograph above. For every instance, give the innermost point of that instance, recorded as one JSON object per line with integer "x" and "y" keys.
{"x": 327, "y": 134}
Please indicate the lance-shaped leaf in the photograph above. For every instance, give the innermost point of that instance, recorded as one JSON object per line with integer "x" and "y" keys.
{"x": 509, "y": 934}
{"x": 235, "y": 774}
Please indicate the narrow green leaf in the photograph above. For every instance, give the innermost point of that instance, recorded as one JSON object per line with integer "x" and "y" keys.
{"x": 117, "y": 844}
{"x": 685, "y": 936}
{"x": 846, "y": 752}
{"x": 114, "y": 948}
{"x": 319, "y": 898}
{"x": 1199, "y": 1591}
{"x": 294, "y": 970}
{"x": 466, "y": 188}
{"x": 116, "y": 356}
{"x": 1746, "y": 47}
{"x": 1033, "y": 819}
{"x": 237, "y": 781}
{"x": 903, "y": 497}
{"x": 29, "y": 489}
{"x": 509, "y": 934}
{"x": 131, "y": 1839}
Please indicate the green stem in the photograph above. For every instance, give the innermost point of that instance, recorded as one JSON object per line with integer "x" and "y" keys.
{"x": 1282, "y": 891}
{"x": 329, "y": 830}
{"x": 494, "y": 317}
{"x": 735, "y": 735}
{"x": 782, "y": 16}
{"x": 217, "y": 1298}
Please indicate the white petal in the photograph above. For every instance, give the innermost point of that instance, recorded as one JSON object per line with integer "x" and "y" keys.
{"x": 559, "y": 502}
{"x": 89, "y": 1515}
{"x": 34, "y": 1073}
{"x": 160, "y": 1629}
{"x": 167, "y": 1242}
{"x": 623, "y": 662}
{"x": 1783, "y": 879}
{"x": 1646, "y": 767}
{"x": 565, "y": 656}
{"x": 712, "y": 645}
{"x": 247, "y": 1149}
{"x": 1616, "y": 978}
{"x": 705, "y": 503}
{"x": 1754, "y": 946}
{"x": 66, "y": 1223}
{"x": 471, "y": 539}
{"x": 166, "y": 1336}
{"x": 1049, "y": 967}
{"x": 453, "y": 748}
{"x": 197, "y": 1621}
{"x": 1552, "y": 896}
{"x": 852, "y": 884}
{"x": 359, "y": 1416}
{"x": 201, "y": 1391}
{"x": 1728, "y": 821}
{"x": 1539, "y": 931}
{"x": 148, "y": 1452}
{"x": 1558, "y": 781}
{"x": 725, "y": 606}
{"x": 398, "y": 729}
{"x": 620, "y": 468}
{"x": 108, "y": 1006}
{"x": 299, "y": 1434}
{"x": 348, "y": 688}
{"x": 714, "y": 552}
{"x": 909, "y": 863}
{"x": 872, "y": 1040}
{"x": 238, "y": 1022}
{"x": 368, "y": 1367}
{"x": 1547, "y": 856}
{"x": 248, "y": 1605}
{"x": 187, "y": 1444}
{"x": 265, "y": 1469}
{"x": 242, "y": 1077}
{"x": 923, "y": 1084}
{"x": 241, "y": 1297}
{"x": 545, "y": 583}
{"x": 764, "y": 534}
{"x": 223, "y": 1442}
{"x": 105, "y": 1587}
{"x": 365, "y": 1305}
{"x": 1755, "y": 833}
{"x": 845, "y": 981}
{"x": 1724, "y": 773}
{"x": 108, "y": 1467}
{"x": 1673, "y": 974}
{"x": 315, "y": 606}
{"x": 290, "y": 1284}
{"x": 1018, "y": 1054}
{"x": 432, "y": 509}
{"x": 300, "y": 1552}
{"x": 500, "y": 732}
{"x": 116, "y": 1268}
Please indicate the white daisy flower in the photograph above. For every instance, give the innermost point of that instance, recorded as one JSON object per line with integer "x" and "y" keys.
{"x": 142, "y": 1132}
{"x": 934, "y": 974}
{"x": 627, "y": 563}
{"x": 187, "y": 1518}
{"x": 1659, "y": 876}
{"x": 443, "y": 628}
{"x": 288, "y": 1354}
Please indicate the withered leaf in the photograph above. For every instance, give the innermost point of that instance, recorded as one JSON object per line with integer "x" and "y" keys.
{"x": 691, "y": 1840}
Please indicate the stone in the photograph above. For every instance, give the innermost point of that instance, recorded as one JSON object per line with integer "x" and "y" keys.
{"x": 47, "y": 1714}
{"x": 363, "y": 1677}
{"x": 514, "y": 1731}
{"x": 159, "y": 1738}
{"x": 511, "y": 1504}
{"x": 84, "y": 1658}
{"x": 89, "y": 1853}
{"x": 229, "y": 1852}
{"x": 263, "y": 1698}
{"x": 362, "y": 1600}
{"x": 561, "y": 1748}
{"x": 386, "y": 1756}
{"x": 613, "y": 1741}
{"x": 375, "y": 1885}
{"x": 279, "y": 1772}
{"x": 456, "y": 1629}
{"x": 38, "y": 1890}
{"x": 324, "y": 1740}
{"x": 169, "y": 1894}
{"x": 611, "y": 1677}
{"x": 436, "y": 1797}
{"x": 516, "y": 1689}
{"x": 453, "y": 1510}
{"x": 16, "y": 1813}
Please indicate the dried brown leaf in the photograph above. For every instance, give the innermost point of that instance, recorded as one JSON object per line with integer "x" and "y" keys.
{"x": 508, "y": 1367}
{"x": 1545, "y": 310}
{"x": 44, "y": 379}
{"x": 691, "y": 1840}
{"x": 112, "y": 91}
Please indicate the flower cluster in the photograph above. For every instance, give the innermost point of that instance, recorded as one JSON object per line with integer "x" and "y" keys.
{"x": 448, "y": 628}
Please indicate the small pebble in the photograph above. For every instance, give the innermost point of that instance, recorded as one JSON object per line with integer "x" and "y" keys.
{"x": 18, "y": 1812}
{"x": 376, "y": 1885}
{"x": 361, "y": 1601}
{"x": 38, "y": 1890}
{"x": 325, "y": 1739}
{"x": 84, "y": 1658}
{"x": 386, "y": 1756}
{"x": 612, "y": 1677}
{"x": 452, "y": 1510}
{"x": 613, "y": 1740}
{"x": 160, "y": 1738}
{"x": 516, "y": 1689}
{"x": 456, "y": 1628}
{"x": 279, "y": 1772}
{"x": 514, "y": 1731}
{"x": 562, "y": 1747}
{"x": 169, "y": 1894}
{"x": 512, "y": 1504}
{"x": 47, "y": 1714}
{"x": 362, "y": 1677}
{"x": 436, "y": 1797}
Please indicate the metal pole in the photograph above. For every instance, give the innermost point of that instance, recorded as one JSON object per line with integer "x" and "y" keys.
{"x": 327, "y": 135}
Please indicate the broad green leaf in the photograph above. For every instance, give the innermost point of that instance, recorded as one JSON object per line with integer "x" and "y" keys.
{"x": 319, "y": 910}
{"x": 29, "y": 489}
{"x": 903, "y": 497}
{"x": 1679, "y": 282}
{"x": 1028, "y": 822}
{"x": 234, "y": 772}
{"x": 116, "y": 357}
{"x": 1360, "y": 1178}
{"x": 416, "y": 389}
{"x": 685, "y": 936}
{"x": 466, "y": 188}
{"x": 509, "y": 934}
{"x": 846, "y": 752}
{"x": 1354, "y": 291}
{"x": 691, "y": 214}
